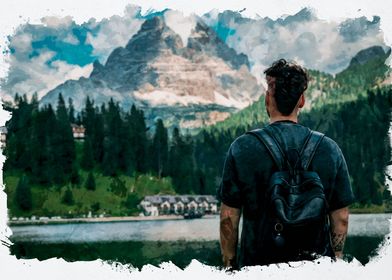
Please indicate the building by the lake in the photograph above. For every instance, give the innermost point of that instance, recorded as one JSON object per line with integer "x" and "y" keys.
{"x": 155, "y": 205}
{"x": 3, "y": 136}
{"x": 78, "y": 131}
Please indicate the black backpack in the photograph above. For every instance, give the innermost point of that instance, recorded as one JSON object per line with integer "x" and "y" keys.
{"x": 294, "y": 224}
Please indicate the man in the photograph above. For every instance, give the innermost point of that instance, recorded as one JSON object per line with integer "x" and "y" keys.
{"x": 249, "y": 166}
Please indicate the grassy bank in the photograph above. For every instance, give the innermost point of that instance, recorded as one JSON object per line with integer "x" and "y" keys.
{"x": 114, "y": 197}
{"x": 357, "y": 208}
{"x": 111, "y": 197}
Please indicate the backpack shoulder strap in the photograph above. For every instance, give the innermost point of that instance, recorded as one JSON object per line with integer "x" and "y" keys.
{"x": 310, "y": 148}
{"x": 270, "y": 144}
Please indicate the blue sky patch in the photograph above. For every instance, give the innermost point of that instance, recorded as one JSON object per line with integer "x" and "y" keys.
{"x": 80, "y": 54}
{"x": 223, "y": 31}
{"x": 151, "y": 13}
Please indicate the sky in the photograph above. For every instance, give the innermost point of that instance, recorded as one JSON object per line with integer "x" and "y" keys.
{"x": 50, "y": 68}
{"x": 41, "y": 55}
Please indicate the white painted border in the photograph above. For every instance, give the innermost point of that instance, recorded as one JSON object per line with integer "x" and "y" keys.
{"x": 16, "y": 12}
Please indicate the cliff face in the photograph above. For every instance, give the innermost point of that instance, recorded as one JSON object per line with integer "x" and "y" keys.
{"x": 369, "y": 54}
{"x": 158, "y": 73}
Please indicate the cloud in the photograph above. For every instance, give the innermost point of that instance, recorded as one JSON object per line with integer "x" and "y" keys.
{"x": 114, "y": 32}
{"x": 21, "y": 45}
{"x": 44, "y": 56}
{"x": 57, "y": 22}
{"x": 180, "y": 24}
{"x": 318, "y": 44}
{"x": 37, "y": 76}
{"x": 71, "y": 39}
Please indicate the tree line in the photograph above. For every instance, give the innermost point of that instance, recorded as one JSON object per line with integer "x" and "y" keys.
{"x": 40, "y": 144}
{"x": 41, "y": 149}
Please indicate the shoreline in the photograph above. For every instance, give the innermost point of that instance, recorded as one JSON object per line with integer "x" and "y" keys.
{"x": 51, "y": 221}
{"x": 100, "y": 220}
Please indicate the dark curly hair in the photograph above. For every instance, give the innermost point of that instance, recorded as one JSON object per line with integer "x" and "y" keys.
{"x": 291, "y": 80}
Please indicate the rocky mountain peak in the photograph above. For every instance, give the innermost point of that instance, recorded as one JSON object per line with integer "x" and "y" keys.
{"x": 154, "y": 23}
{"x": 366, "y": 55}
{"x": 203, "y": 38}
{"x": 154, "y": 36}
{"x": 303, "y": 15}
{"x": 97, "y": 68}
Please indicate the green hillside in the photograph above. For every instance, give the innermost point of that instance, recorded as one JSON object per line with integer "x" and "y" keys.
{"x": 324, "y": 89}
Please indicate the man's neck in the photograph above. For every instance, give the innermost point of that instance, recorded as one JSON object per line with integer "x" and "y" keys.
{"x": 277, "y": 118}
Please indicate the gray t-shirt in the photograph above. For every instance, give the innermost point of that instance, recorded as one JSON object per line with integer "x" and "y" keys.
{"x": 248, "y": 167}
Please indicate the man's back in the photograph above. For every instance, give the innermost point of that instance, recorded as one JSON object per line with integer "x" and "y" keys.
{"x": 246, "y": 175}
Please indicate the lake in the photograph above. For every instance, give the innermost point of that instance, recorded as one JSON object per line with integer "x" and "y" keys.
{"x": 142, "y": 242}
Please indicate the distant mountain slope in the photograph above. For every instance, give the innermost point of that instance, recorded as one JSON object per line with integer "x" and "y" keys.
{"x": 367, "y": 70}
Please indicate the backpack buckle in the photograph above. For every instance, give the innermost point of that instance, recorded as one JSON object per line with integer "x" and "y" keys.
{"x": 278, "y": 238}
{"x": 278, "y": 227}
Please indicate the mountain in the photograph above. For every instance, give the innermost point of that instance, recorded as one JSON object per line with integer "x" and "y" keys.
{"x": 189, "y": 85}
{"x": 353, "y": 29}
{"x": 370, "y": 54}
{"x": 367, "y": 68}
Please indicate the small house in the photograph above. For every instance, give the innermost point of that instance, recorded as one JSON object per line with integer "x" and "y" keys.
{"x": 78, "y": 131}
{"x": 3, "y": 136}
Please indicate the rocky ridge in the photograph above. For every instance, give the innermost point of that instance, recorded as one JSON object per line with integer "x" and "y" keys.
{"x": 156, "y": 72}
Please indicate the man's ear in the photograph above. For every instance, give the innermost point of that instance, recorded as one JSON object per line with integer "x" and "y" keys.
{"x": 301, "y": 101}
{"x": 267, "y": 99}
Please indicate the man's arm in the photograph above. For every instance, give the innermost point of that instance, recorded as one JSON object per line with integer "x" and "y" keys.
{"x": 339, "y": 226}
{"x": 229, "y": 221}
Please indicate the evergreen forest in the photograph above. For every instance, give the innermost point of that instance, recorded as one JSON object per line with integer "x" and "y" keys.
{"x": 120, "y": 160}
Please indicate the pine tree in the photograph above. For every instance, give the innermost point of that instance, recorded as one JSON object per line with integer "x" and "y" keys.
{"x": 49, "y": 131}
{"x": 117, "y": 186}
{"x": 68, "y": 197}
{"x": 71, "y": 111}
{"x": 75, "y": 177}
{"x": 78, "y": 119}
{"x": 160, "y": 149}
{"x": 64, "y": 146}
{"x": 137, "y": 140}
{"x": 95, "y": 207}
{"x": 181, "y": 163}
{"x": 39, "y": 143}
{"x": 126, "y": 160}
{"x": 61, "y": 111}
{"x": 88, "y": 117}
{"x": 19, "y": 130}
{"x": 90, "y": 182}
{"x": 112, "y": 144}
{"x": 23, "y": 195}
{"x": 98, "y": 137}
{"x": 175, "y": 169}
{"x": 141, "y": 141}
{"x": 87, "y": 161}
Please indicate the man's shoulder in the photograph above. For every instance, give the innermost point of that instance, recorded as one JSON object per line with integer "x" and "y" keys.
{"x": 245, "y": 143}
{"x": 330, "y": 144}
{"x": 329, "y": 152}
{"x": 248, "y": 143}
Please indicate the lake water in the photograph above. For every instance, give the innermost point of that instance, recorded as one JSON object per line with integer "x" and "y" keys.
{"x": 179, "y": 241}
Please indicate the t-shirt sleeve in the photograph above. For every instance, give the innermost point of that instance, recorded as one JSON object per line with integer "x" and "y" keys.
{"x": 342, "y": 194}
{"x": 229, "y": 190}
